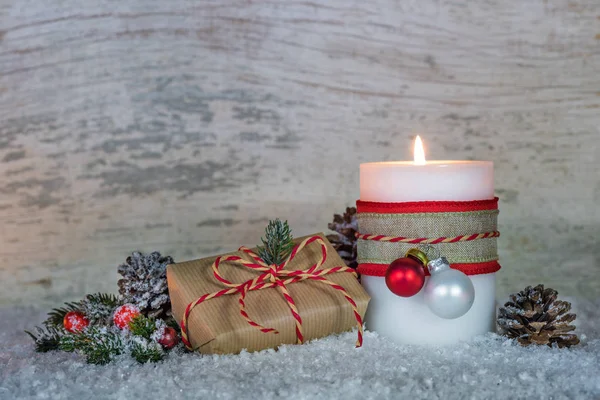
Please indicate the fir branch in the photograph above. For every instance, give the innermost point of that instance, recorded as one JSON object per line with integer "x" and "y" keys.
{"x": 57, "y": 315}
{"x": 103, "y": 351}
{"x": 99, "y": 307}
{"x": 142, "y": 326}
{"x": 173, "y": 324}
{"x": 71, "y": 342}
{"x": 146, "y": 351}
{"x": 277, "y": 242}
{"x": 47, "y": 339}
{"x": 98, "y": 345}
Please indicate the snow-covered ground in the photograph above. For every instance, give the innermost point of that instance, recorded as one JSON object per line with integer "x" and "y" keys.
{"x": 488, "y": 367}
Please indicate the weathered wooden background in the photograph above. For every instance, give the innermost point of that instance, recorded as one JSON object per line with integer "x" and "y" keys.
{"x": 184, "y": 126}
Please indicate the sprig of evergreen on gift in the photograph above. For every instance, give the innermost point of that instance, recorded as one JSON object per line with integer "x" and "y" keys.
{"x": 145, "y": 329}
{"x": 277, "y": 244}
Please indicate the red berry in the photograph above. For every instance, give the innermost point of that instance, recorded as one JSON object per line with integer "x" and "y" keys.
{"x": 169, "y": 338}
{"x": 124, "y": 314}
{"x": 75, "y": 321}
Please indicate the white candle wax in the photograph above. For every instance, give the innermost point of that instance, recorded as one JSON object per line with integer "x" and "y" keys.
{"x": 408, "y": 320}
{"x": 401, "y": 181}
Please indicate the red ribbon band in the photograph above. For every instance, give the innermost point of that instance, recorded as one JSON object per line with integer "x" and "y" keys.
{"x": 468, "y": 269}
{"x": 415, "y": 207}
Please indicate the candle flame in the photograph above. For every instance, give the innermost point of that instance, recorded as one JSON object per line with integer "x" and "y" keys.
{"x": 419, "y": 153}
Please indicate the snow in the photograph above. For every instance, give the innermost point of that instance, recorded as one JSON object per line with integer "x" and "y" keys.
{"x": 489, "y": 366}
{"x": 160, "y": 330}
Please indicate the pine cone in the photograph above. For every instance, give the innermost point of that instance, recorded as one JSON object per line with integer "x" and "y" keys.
{"x": 534, "y": 316}
{"x": 344, "y": 242}
{"x": 144, "y": 283}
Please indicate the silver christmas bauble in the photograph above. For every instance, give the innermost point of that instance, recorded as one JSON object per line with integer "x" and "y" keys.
{"x": 449, "y": 293}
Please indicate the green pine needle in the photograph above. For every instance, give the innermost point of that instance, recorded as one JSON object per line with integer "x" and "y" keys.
{"x": 142, "y": 326}
{"x": 144, "y": 352}
{"x": 170, "y": 321}
{"x": 277, "y": 242}
{"x": 57, "y": 315}
{"x": 99, "y": 307}
{"x": 100, "y": 342}
{"x": 47, "y": 339}
{"x": 99, "y": 346}
{"x": 106, "y": 299}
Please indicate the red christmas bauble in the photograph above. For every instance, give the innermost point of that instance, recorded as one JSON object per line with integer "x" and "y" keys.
{"x": 169, "y": 338}
{"x": 405, "y": 277}
{"x": 75, "y": 321}
{"x": 124, "y": 314}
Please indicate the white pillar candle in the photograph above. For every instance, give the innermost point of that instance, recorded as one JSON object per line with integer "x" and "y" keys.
{"x": 408, "y": 320}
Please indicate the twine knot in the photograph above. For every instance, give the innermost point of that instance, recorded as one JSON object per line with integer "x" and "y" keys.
{"x": 274, "y": 275}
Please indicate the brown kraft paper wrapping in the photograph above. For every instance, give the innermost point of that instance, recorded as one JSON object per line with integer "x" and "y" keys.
{"x": 216, "y": 326}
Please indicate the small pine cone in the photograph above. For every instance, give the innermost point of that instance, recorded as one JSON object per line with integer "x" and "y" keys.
{"x": 144, "y": 283}
{"x": 534, "y": 316}
{"x": 344, "y": 242}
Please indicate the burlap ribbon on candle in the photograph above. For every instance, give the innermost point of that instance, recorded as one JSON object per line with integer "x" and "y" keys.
{"x": 464, "y": 232}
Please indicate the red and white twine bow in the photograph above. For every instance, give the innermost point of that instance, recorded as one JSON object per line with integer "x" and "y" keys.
{"x": 274, "y": 276}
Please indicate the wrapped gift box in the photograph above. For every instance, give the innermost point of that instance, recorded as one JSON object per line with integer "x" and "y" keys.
{"x": 216, "y": 326}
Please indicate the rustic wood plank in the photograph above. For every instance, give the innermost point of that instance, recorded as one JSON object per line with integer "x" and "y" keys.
{"x": 184, "y": 127}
